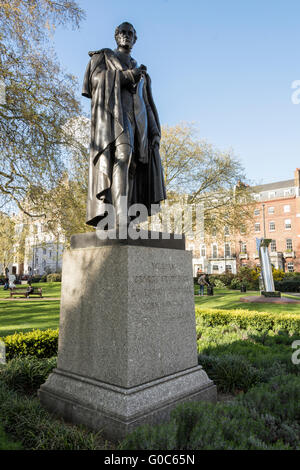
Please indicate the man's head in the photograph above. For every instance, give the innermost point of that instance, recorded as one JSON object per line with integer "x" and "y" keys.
{"x": 125, "y": 35}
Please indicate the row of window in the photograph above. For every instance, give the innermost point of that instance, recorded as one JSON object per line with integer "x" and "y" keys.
{"x": 273, "y": 194}
{"x": 272, "y": 226}
{"x": 243, "y": 248}
{"x": 271, "y": 210}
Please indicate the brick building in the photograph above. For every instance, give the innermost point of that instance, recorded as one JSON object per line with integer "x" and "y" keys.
{"x": 276, "y": 216}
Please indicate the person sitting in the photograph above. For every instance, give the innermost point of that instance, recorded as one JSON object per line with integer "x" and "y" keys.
{"x": 30, "y": 289}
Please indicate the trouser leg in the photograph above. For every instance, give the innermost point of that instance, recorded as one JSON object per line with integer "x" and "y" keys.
{"x": 120, "y": 179}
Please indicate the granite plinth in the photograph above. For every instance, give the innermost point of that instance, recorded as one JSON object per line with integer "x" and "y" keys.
{"x": 127, "y": 344}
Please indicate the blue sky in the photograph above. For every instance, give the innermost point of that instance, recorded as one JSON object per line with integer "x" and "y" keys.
{"x": 225, "y": 65}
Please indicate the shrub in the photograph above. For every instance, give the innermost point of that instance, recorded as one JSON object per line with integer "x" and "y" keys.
{"x": 205, "y": 426}
{"x": 41, "y": 344}
{"x": 54, "y": 277}
{"x": 244, "y": 319}
{"x": 280, "y": 397}
{"x": 288, "y": 285}
{"x": 219, "y": 284}
{"x": 230, "y": 372}
{"x": 235, "y": 283}
{"x": 26, "y": 421}
{"x": 27, "y": 374}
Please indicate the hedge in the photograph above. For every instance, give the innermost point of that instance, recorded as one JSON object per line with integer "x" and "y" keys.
{"x": 38, "y": 343}
{"x": 250, "y": 319}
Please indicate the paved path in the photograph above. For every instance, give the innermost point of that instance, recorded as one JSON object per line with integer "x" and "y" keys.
{"x": 270, "y": 300}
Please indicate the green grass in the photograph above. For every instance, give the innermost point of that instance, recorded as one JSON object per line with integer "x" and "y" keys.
{"x": 229, "y": 299}
{"x": 26, "y": 315}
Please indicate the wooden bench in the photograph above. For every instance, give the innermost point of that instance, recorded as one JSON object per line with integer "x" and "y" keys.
{"x": 22, "y": 292}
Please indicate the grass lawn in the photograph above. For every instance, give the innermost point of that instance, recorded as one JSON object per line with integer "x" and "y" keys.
{"x": 230, "y": 299}
{"x": 26, "y": 315}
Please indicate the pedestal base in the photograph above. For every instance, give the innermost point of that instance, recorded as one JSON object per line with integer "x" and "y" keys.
{"x": 127, "y": 343}
{"x": 117, "y": 411}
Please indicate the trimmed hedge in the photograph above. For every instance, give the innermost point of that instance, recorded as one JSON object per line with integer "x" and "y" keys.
{"x": 38, "y": 343}
{"x": 288, "y": 285}
{"x": 250, "y": 319}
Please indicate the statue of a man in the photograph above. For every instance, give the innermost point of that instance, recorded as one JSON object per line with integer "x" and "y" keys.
{"x": 125, "y": 131}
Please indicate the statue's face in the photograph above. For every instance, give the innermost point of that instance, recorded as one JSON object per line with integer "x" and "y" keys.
{"x": 125, "y": 37}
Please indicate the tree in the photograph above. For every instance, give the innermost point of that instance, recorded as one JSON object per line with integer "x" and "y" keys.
{"x": 198, "y": 173}
{"x": 40, "y": 99}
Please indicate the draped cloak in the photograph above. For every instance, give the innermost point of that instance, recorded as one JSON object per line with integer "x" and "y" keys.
{"x": 102, "y": 83}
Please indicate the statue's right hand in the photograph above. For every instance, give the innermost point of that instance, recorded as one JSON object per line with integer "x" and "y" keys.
{"x": 137, "y": 73}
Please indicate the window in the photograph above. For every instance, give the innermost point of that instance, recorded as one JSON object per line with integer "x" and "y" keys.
{"x": 228, "y": 268}
{"x": 288, "y": 224}
{"x": 203, "y": 250}
{"x": 257, "y": 227}
{"x": 215, "y": 267}
{"x": 242, "y": 230}
{"x": 50, "y": 254}
{"x": 226, "y": 231}
{"x": 290, "y": 267}
{"x": 256, "y": 212}
{"x": 272, "y": 195}
{"x": 44, "y": 251}
{"x": 214, "y": 251}
{"x": 289, "y": 244}
{"x": 273, "y": 245}
{"x": 227, "y": 250}
{"x": 271, "y": 210}
{"x": 214, "y": 231}
{"x": 271, "y": 226}
{"x": 244, "y": 248}
{"x": 287, "y": 192}
{"x": 287, "y": 208}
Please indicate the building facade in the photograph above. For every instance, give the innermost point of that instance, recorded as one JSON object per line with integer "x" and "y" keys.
{"x": 276, "y": 216}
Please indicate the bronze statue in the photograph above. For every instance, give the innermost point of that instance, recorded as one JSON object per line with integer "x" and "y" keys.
{"x": 125, "y": 131}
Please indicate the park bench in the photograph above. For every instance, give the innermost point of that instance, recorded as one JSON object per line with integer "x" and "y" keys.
{"x": 22, "y": 291}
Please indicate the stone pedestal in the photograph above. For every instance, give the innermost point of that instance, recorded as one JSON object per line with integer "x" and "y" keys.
{"x": 127, "y": 342}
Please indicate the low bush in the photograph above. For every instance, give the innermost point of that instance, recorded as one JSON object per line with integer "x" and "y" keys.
{"x": 54, "y": 277}
{"x": 288, "y": 285}
{"x": 230, "y": 372}
{"x": 26, "y": 375}
{"x": 38, "y": 343}
{"x": 250, "y": 319}
{"x": 232, "y": 426}
{"x": 26, "y": 421}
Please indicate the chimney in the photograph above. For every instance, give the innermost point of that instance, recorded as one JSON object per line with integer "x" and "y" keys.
{"x": 297, "y": 177}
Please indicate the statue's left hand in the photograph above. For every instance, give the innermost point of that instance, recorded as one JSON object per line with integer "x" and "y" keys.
{"x": 155, "y": 141}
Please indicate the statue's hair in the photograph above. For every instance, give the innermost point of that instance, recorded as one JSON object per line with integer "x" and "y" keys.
{"x": 128, "y": 24}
